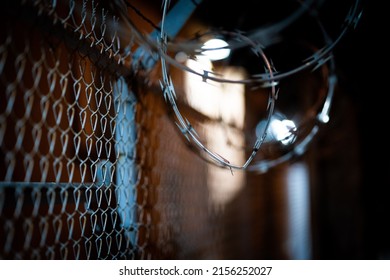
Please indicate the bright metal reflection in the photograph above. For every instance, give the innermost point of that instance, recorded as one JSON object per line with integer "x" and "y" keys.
{"x": 217, "y": 49}
{"x": 280, "y": 129}
{"x": 283, "y": 130}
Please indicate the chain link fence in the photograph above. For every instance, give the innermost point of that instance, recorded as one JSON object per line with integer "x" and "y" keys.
{"x": 78, "y": 164}
{"x": 68, "y": 176}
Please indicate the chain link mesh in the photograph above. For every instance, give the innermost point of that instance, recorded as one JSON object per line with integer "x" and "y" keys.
{"x": 67, "y": 135}
{"x": 86, "y": 163}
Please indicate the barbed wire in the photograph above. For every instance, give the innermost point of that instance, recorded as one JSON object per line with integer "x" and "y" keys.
{"x": 262, "y": 38}
{"x": 185, "y": 126}
{"x": 270, "y": 78}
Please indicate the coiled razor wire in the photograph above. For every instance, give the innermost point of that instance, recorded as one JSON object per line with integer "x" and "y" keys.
{"x": 185, "y": 126}
{"x": 269, "y": 34}
{"x": 322, "y": 117}
{"x": 268, "y": 79}
{"x": 299, "y": 147}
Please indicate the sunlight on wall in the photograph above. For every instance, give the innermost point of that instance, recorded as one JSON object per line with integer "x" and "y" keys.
{"x": 213, "y": 99}
{"x": 223, "y": 185}
{"x": 225, "y": 102}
